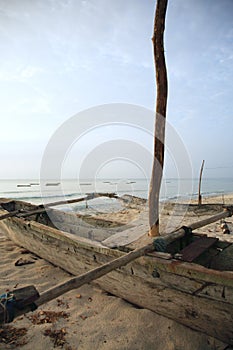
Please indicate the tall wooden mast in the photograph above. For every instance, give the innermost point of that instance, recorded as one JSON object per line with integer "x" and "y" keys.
{"x": 161, "y": 106}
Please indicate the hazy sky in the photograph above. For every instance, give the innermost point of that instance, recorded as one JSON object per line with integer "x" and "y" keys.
{"x": 60, "y": 57}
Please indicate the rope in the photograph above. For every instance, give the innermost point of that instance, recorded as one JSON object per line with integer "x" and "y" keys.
{"x": 160, "y": 245}
{"x": 7, "y": 301}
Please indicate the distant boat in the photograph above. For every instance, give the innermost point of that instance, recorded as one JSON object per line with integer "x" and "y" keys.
{"x": 131, "y": 182}
{"x": 24, "y": 185}
{"x": 85, "y": 184}
{"x": 52, "y": 184}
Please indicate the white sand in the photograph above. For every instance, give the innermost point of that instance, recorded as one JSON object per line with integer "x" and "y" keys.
{"x": 91, "y": 318}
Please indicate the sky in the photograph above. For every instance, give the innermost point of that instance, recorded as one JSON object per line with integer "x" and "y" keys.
{"x": 62, "y": 57}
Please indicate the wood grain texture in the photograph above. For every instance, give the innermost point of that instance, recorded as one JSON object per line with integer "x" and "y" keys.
{"x": 161, "y": 106}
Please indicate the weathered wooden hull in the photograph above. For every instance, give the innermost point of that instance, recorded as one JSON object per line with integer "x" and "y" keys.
{"x": 190, "y": 294}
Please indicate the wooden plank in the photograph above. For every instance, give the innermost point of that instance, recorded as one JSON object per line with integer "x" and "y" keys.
{"x": 196, "y": 248}
{"x": 191, "y": 270}
{"x": 206, "y": 316}
{"x": 216, "y": 292}
{"x": 123, "y": 238}
{"x": 179, "y": 282}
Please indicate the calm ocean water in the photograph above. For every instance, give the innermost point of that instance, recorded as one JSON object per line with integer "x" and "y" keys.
{"x": 32, "y": 191}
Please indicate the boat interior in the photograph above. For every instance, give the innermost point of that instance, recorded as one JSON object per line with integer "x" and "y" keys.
{"x": 198, "y": 248}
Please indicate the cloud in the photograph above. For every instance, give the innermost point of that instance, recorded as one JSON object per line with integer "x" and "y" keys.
{"x": 33, "y": 105}
{"x": 59, "y": 56}
{"x": 9, "y": 73}
{"x": 30, "y": 72}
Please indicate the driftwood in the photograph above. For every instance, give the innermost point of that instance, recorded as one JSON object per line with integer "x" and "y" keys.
{"x": 161, "y": 105}
{"x": 43, "y": 208}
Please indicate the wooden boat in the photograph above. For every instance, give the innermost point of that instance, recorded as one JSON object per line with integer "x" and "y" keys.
{"x": 191, "y": 283}
{"x": 52, "y": 184}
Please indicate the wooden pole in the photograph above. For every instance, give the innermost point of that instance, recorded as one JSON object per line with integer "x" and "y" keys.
{"x": 161, "y": 105}
{"x": 199, "y": 186}
{"x": 94, "y": 274}
{"x": 87, "y": 197}
{"x": 171, "y": 237}
{"x": 43, "y": 208}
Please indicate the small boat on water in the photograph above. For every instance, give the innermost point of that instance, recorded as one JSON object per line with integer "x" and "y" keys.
{"x": 52, "y": 184}
{"x": 191, "y": 281}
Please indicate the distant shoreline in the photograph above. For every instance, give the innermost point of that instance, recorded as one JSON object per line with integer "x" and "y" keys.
{"x": 172, "y": 189}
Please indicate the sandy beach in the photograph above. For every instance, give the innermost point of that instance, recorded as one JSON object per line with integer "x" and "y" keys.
{"x": 89, "y": 318}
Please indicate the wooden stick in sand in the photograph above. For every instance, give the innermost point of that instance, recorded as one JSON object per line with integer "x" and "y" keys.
{"x": 199, "y": 186}
{"x": 161, "y": 106}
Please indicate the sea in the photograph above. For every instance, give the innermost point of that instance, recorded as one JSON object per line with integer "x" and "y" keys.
{"x": 36, "y": 192}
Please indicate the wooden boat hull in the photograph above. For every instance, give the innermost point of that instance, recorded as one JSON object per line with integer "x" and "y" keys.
{"x": 190, "y": 294}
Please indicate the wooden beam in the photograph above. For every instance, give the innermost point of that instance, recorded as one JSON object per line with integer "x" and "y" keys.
{"x": 94, "y": 274}
{"x": 171, "y": 237}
